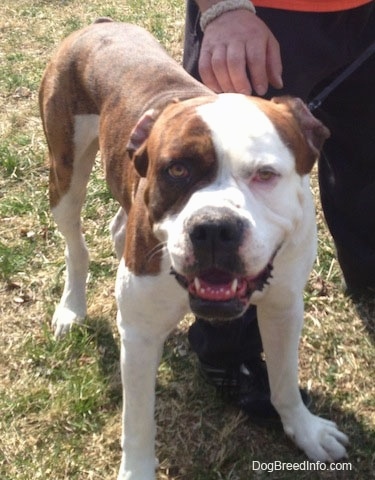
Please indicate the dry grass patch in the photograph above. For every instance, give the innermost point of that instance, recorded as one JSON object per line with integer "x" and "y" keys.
{"x": 60, "y": 402}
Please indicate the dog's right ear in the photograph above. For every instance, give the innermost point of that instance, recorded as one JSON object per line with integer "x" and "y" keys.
{"x": 137, "y": 145}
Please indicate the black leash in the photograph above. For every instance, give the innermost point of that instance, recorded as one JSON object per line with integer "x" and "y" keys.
{"x": 319, "y": 99}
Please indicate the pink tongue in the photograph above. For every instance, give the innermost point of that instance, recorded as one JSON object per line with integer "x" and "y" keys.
{"x": 222, "y": 291}
{"x": 215, "y": 292}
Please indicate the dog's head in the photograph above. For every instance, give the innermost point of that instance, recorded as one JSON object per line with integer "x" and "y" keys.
{"x": 226, "y": 183}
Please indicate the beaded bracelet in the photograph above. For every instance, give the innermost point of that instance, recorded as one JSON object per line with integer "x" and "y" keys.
{"x": 222, "y": 7}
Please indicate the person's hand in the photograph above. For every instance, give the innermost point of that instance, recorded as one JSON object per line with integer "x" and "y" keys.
{"x": 240, "y": 54}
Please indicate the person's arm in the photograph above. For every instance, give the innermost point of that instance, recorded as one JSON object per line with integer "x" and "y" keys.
{"x": 239, "y": 53}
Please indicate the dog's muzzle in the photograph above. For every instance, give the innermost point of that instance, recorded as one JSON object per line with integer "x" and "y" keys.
{"x": 218, "y": 286}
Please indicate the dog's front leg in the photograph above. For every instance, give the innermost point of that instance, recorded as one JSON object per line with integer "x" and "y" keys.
{"x": 140, "y": 356}
{"x": 280, "y": 330}
{"x": 149, "y": 308}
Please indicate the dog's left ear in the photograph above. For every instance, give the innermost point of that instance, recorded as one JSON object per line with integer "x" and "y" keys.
{"x": 137, "y": 145}
{"x": 313, "y": 130}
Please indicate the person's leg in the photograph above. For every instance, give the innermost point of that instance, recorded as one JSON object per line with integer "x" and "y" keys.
{"x": 347, "y": 176}
{"x": 222, "y": 344}
{"x": 192, "y": 39}
{"x": 234, "y": 366}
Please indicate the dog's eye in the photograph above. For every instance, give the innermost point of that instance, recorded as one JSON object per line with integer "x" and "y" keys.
{"x": 178, "y": 171}
{"x": 264, "y": 175}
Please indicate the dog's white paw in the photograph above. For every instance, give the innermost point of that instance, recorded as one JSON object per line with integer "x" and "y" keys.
{"x": 320, "y": 439}
{"x": 139, "y": 472}
{"x": 63, "y": 320}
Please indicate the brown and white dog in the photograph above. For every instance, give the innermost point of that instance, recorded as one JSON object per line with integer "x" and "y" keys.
{"x": 213, "y": 188}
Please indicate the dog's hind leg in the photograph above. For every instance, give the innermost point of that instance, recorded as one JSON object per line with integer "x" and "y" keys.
{"x": 71, "y": 164}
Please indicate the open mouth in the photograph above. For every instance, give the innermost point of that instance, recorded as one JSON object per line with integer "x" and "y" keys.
{"x": 218, "y": 286}
{"x": 218, "y": 294}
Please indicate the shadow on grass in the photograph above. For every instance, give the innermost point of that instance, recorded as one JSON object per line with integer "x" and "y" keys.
{"x": 202, "y": 437}
{"x": 365, "y": 308}
{"x": 224, "y": 447}
{"x": 108, "y": 350}
{"x": 362, "y": 438}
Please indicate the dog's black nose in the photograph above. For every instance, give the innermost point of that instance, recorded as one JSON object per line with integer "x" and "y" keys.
{"x": 213, "y": 231}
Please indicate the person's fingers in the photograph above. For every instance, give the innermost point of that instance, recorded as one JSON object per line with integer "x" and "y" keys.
{"x": 220, "y": 68}
{"x": 256, "y": 65}
{"x": 206, "y": 72}
{"x": 236, "y": 61}
{"x": 240, "y": 54}
{"x": 274, "y": 64}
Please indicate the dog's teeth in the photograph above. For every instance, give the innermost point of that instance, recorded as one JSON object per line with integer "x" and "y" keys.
{"x": 197, "y": 284}
{"x": 234, "y": 285}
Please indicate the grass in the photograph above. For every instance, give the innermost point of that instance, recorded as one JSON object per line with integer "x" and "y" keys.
{"x": 60, "y": 402}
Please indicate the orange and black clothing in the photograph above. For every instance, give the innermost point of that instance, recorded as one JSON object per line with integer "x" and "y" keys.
{"x": 310, "y": 5}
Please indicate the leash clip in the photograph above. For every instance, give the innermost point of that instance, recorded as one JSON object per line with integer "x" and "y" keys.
{"x": 314, "y": 104}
